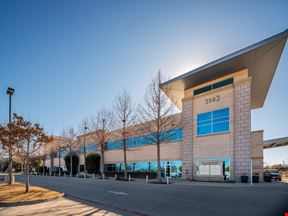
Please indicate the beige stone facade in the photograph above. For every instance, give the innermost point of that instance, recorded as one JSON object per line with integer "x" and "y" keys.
{"x": 233, "y": 145}
{"x": 211, "y": 157}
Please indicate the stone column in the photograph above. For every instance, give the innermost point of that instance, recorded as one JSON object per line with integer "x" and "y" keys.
{"x": 187, "y": 147}
{"x": 242, "y": 128}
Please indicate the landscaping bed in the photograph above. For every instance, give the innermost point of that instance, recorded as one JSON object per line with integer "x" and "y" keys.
{"x": 16, "y": 194}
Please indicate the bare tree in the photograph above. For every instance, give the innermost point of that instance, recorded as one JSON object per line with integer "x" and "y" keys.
{"x": 54, "y": 149}
{"x": 83, "y": 127}
{"x": 100, "y": 128}
{"x": 70, "y": 144}
{"x": 124, "y": 115}
{"x": 31, "y": 137}
{"x": 155, "y": 116}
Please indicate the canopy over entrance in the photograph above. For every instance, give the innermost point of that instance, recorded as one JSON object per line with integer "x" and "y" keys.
{"x": 273, "y": 143}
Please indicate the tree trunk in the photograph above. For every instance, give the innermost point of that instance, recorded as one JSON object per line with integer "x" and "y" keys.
{"x": 158, "y": 163}
{"x": 85, "y": 160}
{"x": 59, "y": 163}
{"x": 51, "y": 163}
{"x": 70, "y": 165}
{"x": 102, "y": 162}
{"x": 26, "y": 177}
{"x": 10, "y": 167}
{"x": 43, "y": 168}
{"x": 125, "y": 159}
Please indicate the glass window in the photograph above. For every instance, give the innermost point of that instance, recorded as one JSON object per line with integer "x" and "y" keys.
{"x": 214, "y": 86}
{"x": 213, "y": 122}
{"x": 202, "y": 90}
{"x": 147, "y": 139}
{"x": 175, "y": 167}
{"x": 222, "y": 83}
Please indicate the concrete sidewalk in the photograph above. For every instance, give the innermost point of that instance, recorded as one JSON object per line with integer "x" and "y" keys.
{"x": 61, "y": 206}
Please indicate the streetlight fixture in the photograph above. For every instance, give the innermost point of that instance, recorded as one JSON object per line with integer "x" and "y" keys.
{"x": 10, "y": 91}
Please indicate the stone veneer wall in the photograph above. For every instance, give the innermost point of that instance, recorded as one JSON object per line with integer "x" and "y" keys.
{"x": 257, "y": 153}
{"x": 187, "y": 159}
{"x": 242, "y": 127}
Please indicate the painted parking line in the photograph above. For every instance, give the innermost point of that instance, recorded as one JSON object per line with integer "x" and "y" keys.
{"x": 118, "y": 193}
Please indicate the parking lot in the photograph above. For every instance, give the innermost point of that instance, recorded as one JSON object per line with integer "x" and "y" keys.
{"x": 179, "y": 198}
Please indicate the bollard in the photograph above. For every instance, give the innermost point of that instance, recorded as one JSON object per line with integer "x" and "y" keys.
{"x": 84, "y": 175}
{"x": 59, "y": 174}
{"x": 103, "y": 176}
{"x": 167, "y": 180}
{"x": 54, "y": 174}
{"x": 146, "y": 178}
{"x": 77, "y": 175}
{"x": 64, "y": 175}
{"x": 129, "y": 178}
{"x": 115, "y": 176}
{"x": 93, "y": 176}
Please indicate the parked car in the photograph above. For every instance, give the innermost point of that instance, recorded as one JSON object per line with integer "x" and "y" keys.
{"x": 272, "y": 174}
{"x": 62, "y": 170}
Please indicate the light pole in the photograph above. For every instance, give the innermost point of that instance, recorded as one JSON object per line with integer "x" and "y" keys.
{"x": 102, "y": 147}
{"x": 10, "y": 92}
{"x": 85, "y": 128}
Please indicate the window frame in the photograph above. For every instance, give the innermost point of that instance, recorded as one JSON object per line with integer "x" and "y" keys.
{"x": 211, "y": 122}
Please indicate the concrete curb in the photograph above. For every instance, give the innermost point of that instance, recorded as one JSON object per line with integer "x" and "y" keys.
{"x": 12, "y": 204}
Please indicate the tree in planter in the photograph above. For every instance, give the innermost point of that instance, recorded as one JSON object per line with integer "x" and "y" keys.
{"x": 31, "y": 137}
{"x": 70, "y": 144}
{"x": 156, "y": 116}
{"x": 124, "y": 119}
{"x": 75, "y": 161}
{"x": 100, "y": 129}
{"x": 93, "y": 162}
{"x": 8, "y": 139}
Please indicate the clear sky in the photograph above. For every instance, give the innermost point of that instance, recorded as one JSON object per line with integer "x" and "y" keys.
{"x": 68, "y": 58}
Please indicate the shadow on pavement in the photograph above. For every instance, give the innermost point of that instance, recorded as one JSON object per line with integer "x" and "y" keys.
{"x": 62, "y": 206}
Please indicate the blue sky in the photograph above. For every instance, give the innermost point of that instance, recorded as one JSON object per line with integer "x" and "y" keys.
{"x": 66, "y": 59}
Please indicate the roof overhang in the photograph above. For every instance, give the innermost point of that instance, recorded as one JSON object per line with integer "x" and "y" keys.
{"x": 261, "y": 60}
{"x": 273, "y": 143}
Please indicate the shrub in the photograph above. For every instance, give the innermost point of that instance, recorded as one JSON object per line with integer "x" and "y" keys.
{"x": 93, "y": 163}
{"x": 75, "y": 161}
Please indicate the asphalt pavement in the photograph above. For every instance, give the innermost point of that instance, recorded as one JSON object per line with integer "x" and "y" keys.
{"x": 178, "y": 198}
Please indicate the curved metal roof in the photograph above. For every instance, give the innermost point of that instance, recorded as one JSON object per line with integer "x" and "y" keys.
{"x": 261, "y": 59}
